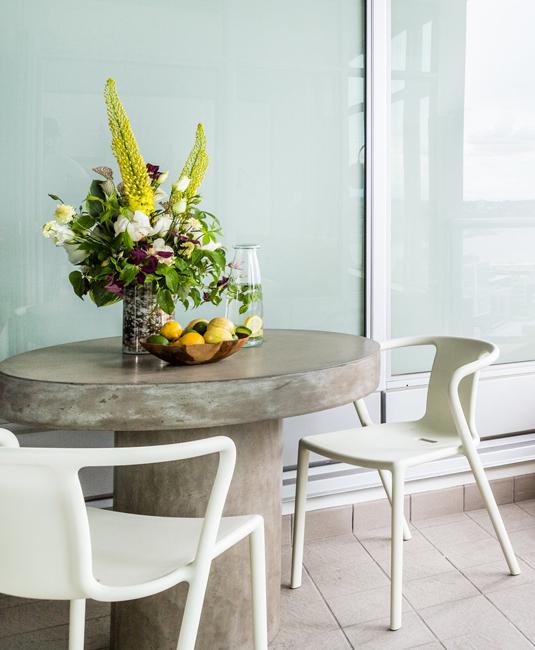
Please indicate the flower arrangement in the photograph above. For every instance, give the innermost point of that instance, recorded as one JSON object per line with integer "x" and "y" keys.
{"x": 132, "y": 233}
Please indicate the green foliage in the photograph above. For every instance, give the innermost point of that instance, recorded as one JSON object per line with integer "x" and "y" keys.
{"x": 78, "y": 283}
{"x": 117, "y": 247}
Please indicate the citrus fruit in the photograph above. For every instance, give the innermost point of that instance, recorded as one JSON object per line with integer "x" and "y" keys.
{"x": 255, "y": 324}
{"x": 171, "y": 330}
{"x": 223, "y": 323}
{"x": 198, "y": 324}
{"x": 191, "y": 338}
{"x": 243, "y": 332}
{"x": 217, "y": 334}
{"x": 201, "y": 326}
{"x": 157, "y": 339}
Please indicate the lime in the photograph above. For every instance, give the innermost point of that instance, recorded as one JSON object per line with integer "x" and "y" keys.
{"x": 157, "y": 339}
{"x": 197, "y": 324}
{"x": 201, "y": 326}
{"x": 243, "y": 332}
{"x": 255, "y": 324}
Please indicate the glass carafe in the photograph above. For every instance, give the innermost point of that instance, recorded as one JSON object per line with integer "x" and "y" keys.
{"x": 244, "y": 294}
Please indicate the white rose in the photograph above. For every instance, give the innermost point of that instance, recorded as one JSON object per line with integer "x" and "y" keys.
{"x": 59, "y": 233}
{"x": 183, "y": 184}
{"x": 75, "y": 254}
{"x": 162, "y": 225}
{"x": 137, "y": 226}
{"x": 194, "y": 224}
{"x": 64, "y": 213}
{"x": 180, "y": 206}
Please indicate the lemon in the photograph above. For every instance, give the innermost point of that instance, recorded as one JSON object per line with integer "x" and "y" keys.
{"x": 217, "y": 334}
{"x": 171, "y": 330}
{"x": 190, "y": 338}
{"x": 223, "y": 323}
{"x": 255, "y": 324}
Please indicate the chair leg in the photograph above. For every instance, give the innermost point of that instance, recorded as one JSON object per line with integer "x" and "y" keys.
{"x": 396, "y": 561}
{"x": 494, "y": 513}
{"x": 76, "y": 624}
{"x": 299, "y": 517}
{"x": 388, "y": 489}
{"x": 193, "y": 609}
{"x": 258, "y": 586}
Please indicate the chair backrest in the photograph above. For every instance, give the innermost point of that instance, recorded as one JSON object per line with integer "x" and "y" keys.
{"x": 45, "y": 545}
{"x": 452, "y": 387}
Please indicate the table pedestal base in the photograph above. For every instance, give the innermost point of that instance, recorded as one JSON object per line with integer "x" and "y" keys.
{"x": 182, "y": 489}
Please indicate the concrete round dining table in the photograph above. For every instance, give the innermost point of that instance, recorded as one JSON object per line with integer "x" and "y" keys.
{"x": 91, "y": 385}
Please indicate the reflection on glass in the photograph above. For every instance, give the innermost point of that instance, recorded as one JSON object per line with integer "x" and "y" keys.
{"x": 463, "y": 159}
{"x": 279, "y": 87}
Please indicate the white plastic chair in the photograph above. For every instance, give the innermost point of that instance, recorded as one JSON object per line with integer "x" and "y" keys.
{"x": 447, "y": 428}
{"x": 53, "y": 547}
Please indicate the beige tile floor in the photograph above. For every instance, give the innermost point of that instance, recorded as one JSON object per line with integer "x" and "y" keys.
{"x": 458, "y": 594}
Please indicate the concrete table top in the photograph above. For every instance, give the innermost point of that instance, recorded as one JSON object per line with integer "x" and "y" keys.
{"x": 91, "y": 385}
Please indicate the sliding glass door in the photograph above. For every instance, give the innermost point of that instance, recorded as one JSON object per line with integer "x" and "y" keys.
{"x": 463, "y": 161}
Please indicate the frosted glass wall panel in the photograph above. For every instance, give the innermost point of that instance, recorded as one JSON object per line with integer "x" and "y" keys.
{"x": 279, "y": 87}
{"x": 463, "y": 161}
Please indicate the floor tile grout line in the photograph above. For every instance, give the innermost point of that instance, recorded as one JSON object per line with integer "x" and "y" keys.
{"x": 496, "y": 606}
{"x": 523, "y": 509}
{"x": 403, "y": 595}
{"x": 328, "y": 606}
{"x": 51, "y": 627}
{"x": 477, "y": 588}
{"x": 493, "y": 534}
{"x": 457, "y": 569}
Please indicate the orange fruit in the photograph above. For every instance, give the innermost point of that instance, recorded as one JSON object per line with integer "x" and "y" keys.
{"x": 191, "y": 338}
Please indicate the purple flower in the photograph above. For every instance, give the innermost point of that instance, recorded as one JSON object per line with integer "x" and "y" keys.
{"x": 150, "y": 265}
{"x": 140, "y": 278}
{"x": 153, "y": 171}
{"x": 114, "y": 286}
{"x": 206, "y": 296}
{"x": 183, "y": 238}
{"x": 165, "y": 254}
{"x": 222, "y": 282}
{"x": 137, "y": 255}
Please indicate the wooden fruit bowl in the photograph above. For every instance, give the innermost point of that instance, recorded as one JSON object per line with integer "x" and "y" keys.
{"x": 192, "y": 355}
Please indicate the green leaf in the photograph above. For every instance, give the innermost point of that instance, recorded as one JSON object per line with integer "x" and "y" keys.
{"x": 78, "y": 283}
{"x": 165, "y": 300}
{"x": 86, "y": 221}
{"x": 129, "y": 273}
{"x": 95, "y": 199}
{"x": 101, "y": 297}
{"x": 172, "y": 280}
{"x": 181, "y": 264}
{"x": 123, "y": 240}
{"x": 55, "y": 198}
